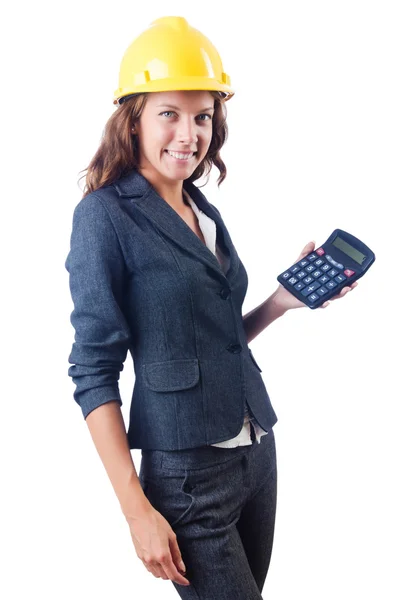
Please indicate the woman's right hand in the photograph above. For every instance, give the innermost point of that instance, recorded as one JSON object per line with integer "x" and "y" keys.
{"x": 156, "y": 545}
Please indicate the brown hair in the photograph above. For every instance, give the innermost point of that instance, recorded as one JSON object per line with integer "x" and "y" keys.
{"x": 118, "y": 151}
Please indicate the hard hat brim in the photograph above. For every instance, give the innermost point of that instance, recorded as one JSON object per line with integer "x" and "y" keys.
{"x": 170, "y": 85}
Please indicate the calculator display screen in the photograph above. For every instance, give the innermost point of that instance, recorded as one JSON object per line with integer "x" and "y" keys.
{"x": 355, "y": 254}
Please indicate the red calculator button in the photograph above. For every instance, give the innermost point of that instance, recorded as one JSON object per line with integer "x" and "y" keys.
{"x": 348, "y": 272}
{"x": 320, "y": 251}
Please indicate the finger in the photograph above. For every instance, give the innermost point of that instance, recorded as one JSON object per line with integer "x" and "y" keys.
{"x": 156, "y": 569}
{"x": 176, "y": 553}
{"x": 159, "y": 571}
{"x": 342, "y": 293}
{"x": 172, "y": 572}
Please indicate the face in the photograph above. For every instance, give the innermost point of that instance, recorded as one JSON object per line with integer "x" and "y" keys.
{"x": 174, "y": 134}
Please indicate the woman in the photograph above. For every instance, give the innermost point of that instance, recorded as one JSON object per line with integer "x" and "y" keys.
{"x": 153, "y": 270}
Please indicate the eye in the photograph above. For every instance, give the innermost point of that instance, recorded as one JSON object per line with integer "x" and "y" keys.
{"x": 205, "y": 115}
{"x": 169, "y": 112}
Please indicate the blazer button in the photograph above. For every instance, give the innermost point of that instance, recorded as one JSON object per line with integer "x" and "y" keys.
{"x": 234, "y": 348}
{"x": 224, "y": 293}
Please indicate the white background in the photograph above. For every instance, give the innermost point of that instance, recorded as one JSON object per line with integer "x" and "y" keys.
{"x": 312, "y": 147}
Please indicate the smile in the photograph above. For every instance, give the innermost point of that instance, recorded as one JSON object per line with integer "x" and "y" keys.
{"x": 183, "y": 156}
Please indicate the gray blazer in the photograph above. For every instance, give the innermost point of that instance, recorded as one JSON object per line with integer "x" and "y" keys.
{"x": 142, "y": 280}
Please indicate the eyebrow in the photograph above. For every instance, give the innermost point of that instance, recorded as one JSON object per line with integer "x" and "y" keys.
{"x": 177, "y": 107}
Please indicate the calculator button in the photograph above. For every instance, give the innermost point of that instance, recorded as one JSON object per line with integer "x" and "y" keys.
{"x": 310, "y": 288}
{"x": 286, "y": 275}
{"x": 322, "y": 290}
{"x": 325, "y": 268}
{"x": 320, "y": 251}
{"x": 311, "y": 257}
{"x": 299, "y": 286}
{"x": 317, "y": 273}
{"x": 301, "y": 274}
{"x": 331, "y": 259}
{"x": 348, "y": 272}
{"x": 324, "y": 279}
{"x": 318, "y": 262}
{"x": 334, "y": 262}
{"x": 303, "y": 263}
{"x": 294, "y": 269}
{"x": 313, "y": 297}
{"x": 332, "y": 272}
{"x": 331, "y": 284}
{"x": 308, "y": 279}
{"x": 340, "y": 278}
{"x": 310, "y": 268}
{"x": 292, "y": 280}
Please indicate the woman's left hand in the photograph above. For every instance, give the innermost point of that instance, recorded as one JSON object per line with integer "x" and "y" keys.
{"x": 286, "y": 301}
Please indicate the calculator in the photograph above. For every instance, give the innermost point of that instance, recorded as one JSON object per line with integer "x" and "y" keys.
{"x": 319, "y": 276}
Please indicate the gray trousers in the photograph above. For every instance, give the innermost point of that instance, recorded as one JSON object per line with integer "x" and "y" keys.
{"x": 221, "y": 504}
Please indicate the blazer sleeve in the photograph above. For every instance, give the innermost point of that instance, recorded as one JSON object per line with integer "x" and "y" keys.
{"x": 97, "y": 273}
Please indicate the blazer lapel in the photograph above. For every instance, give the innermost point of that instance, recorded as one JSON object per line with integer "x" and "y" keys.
{"x": 154, "y": 207}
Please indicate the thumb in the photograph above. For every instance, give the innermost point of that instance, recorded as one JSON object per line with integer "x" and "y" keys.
{"x": 306, "y": 250}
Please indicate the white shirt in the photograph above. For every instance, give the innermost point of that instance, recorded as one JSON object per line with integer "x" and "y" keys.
{"x": 208, "y": 229}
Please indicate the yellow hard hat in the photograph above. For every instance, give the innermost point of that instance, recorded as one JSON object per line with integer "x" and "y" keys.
{"x": 171, "y": 55}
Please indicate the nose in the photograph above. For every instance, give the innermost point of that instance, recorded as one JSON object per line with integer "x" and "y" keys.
{"x": 187, "y": 131}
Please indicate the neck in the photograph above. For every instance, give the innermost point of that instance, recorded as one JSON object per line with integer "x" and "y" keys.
{"x": 169, "y": 190}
